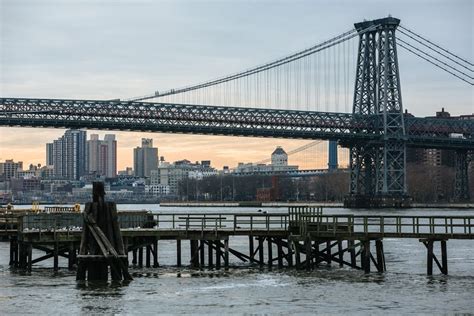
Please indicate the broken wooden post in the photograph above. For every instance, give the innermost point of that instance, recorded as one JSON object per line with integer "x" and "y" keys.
{"x": 101, "y": 243}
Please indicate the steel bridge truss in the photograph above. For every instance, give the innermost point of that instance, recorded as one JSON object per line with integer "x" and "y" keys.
{"x": 233, "y": 121}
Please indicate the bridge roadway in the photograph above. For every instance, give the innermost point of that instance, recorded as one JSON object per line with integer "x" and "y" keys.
{"x": 235, "y": 121}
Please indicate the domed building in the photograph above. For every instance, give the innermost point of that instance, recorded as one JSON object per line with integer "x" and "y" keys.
{"x": 279, "y": 157}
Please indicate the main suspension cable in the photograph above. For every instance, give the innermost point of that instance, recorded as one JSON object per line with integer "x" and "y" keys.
{"x": 439, "y": 66}
{"x": 447, "y": 51}
{"x": 440, "y": 61}
{"x": 437, "y": 51}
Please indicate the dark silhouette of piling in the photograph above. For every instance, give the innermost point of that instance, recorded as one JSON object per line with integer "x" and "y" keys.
{"x": 101, "y": 243}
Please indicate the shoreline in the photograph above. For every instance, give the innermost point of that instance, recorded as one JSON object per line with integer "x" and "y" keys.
{"x": 464, "y": 206}
{"x": 458, "y": 206}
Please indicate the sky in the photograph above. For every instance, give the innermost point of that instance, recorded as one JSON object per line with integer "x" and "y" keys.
{"x": 117, "y": 49}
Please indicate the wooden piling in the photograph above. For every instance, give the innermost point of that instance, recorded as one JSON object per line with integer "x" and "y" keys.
{"x": 429, "y": 266}
{"x": 155, "y": 254}
{"x": 210, "y": 259}
{"x": 260, "y": 250}
{"x": 226, "y": 253}
{"x": 148, "y": 256}
{"x": 55, "y": 258}
{"x": 340, "y": 253}
{"x": 134, "y": 256}
{"x": 308, "y": 250}
{"x": 352, "y": 252}
{"x": 140, "y": 257}
{"x": 289, "y": 255}
{"x": 218, "y": 255}
{"x": 178, "y": 252}
{"x": 317, "y": 253}
{"x": 251, "y": 248}
{"x": 444, "y": 257}
{"x": 101, "y": 242}
{"x": 29, "y": 257}
{"x": 366, "y": 256}
{"x": 71, "y": 255}
{"x": 194, "y": 253}
{"x": 202, "y": 253}
{"x": 125, "y": 246}
{"x": 297, "y": 254}
{"x": 280, "y": 253}
{"x": 269, "y": 253}
{"x": 380, "y": 256}
{"x": 328, "y": 252}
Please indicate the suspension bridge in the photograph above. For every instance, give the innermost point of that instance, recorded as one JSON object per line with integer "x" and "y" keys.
{"x": 305, "y": 95}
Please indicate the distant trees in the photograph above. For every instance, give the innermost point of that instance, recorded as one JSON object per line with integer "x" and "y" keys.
{"x": 430, "y": 183}
{"x": 328, "y": 187}
{"x": 425, "y": 185}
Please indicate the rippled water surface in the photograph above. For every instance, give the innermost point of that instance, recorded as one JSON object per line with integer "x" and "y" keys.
{"x": 403, "y": 289}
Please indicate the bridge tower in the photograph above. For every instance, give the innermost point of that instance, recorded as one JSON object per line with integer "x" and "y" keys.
{"x": 332, "y": 155}
{"x": 378, "y": 173}
{"x": 461, "y": 185}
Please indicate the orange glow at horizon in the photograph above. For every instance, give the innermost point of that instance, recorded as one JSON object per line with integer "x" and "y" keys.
{"x": 29, "y": 145}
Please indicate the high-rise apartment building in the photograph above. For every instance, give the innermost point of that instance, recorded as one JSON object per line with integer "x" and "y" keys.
{"x": 111, "y": 167}
{"x": 49, "y": 154}
{"x": 145, "y": 158}
{"x": 10, "y": 169}
{"x": 102, "y": 155}
{"x": 69, "y": 155}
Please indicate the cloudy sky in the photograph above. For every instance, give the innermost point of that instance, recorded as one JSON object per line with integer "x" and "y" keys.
{"x": 119, "y": 49}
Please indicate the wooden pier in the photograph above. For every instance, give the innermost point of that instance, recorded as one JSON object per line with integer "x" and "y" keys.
{"x": 302, "y": 238}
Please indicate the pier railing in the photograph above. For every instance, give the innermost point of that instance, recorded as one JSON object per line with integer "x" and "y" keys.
{"x": 223, "y": 221}
{"x": 388, "y": 226}
{"x": 317, "y": 225}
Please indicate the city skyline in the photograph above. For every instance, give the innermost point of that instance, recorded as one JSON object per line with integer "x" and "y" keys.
{"x": 40, "y": 59}
{"x": 226, "y": 154}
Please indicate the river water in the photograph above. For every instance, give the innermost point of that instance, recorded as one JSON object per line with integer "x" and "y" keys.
{"x": 404, "y": 288}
